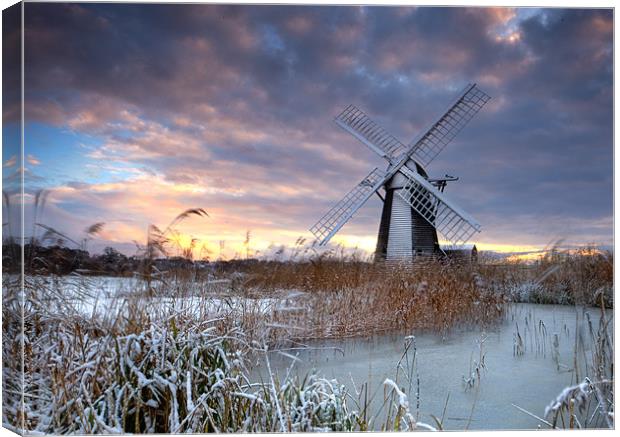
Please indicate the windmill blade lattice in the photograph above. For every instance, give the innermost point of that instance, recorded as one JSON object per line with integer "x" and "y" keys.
{"x": 340, "y": 213}
{"x": 426, "y": 148}
{"x": 453, "y": 223}
{"x": 358, "y": 124}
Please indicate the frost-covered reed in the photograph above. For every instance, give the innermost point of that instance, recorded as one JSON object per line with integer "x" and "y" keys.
{"x": 134, "y": 370}
{"x": 581, "y": 277}
{"x": 88, "y": 374}
{"x": 589, "y": 403}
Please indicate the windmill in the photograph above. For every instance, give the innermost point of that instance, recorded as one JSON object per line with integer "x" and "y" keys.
{"x": 414, "y": 206}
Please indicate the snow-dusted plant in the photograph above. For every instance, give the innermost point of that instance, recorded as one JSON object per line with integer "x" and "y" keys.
{"x": 403, "y": 419}
{"x": 171, "y": 377}
{"x": 575, "y": 402}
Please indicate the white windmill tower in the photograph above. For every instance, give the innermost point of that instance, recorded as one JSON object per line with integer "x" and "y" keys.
{"x": 414, "y": 206}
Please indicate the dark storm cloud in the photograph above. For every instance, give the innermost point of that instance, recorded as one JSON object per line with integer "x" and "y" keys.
{"x": 205, "y": 89}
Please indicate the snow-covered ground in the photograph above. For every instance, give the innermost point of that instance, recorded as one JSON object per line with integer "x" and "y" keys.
{"x": 106, "y": 296}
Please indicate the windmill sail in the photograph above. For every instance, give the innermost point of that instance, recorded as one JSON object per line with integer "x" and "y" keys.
{"x": 358, "y": 124}
{"x": 336, "y": 217}
{"x": 453, "y": 223}
{"x": 427, "y": 146}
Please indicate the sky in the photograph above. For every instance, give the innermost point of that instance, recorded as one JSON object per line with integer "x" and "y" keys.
{"x": 136, "y": 112}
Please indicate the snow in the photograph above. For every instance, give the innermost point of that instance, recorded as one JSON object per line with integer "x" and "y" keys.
{"x": 402, "y": 397}
{"x": 578, "y": 393}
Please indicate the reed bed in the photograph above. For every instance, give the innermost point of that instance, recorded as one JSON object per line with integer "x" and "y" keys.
{"x": 581, "y": 277}
{"x": 173, "y": 355}
{"x": 135, "y": 370}
{"x": 344, "y": 299}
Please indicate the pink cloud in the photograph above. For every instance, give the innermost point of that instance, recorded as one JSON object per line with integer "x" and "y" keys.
{"x": 31, "y": 159}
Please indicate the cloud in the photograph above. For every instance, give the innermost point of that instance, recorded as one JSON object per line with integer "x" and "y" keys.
{"x": 32, "y": 160}
{"x": 232, "y": 105}
{"x": 11, "y": 161}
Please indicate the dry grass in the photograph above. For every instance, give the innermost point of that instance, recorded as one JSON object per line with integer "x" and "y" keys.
{"x": 583, "y": 277}
{"x": 341, "y": 298}
{"x": 346, "y": 297}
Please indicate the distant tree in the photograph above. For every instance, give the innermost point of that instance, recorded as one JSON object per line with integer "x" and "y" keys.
{"x": 112, "y": 260}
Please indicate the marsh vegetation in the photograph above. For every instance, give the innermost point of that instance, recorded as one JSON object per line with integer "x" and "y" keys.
{"x": 227, "y": 346}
